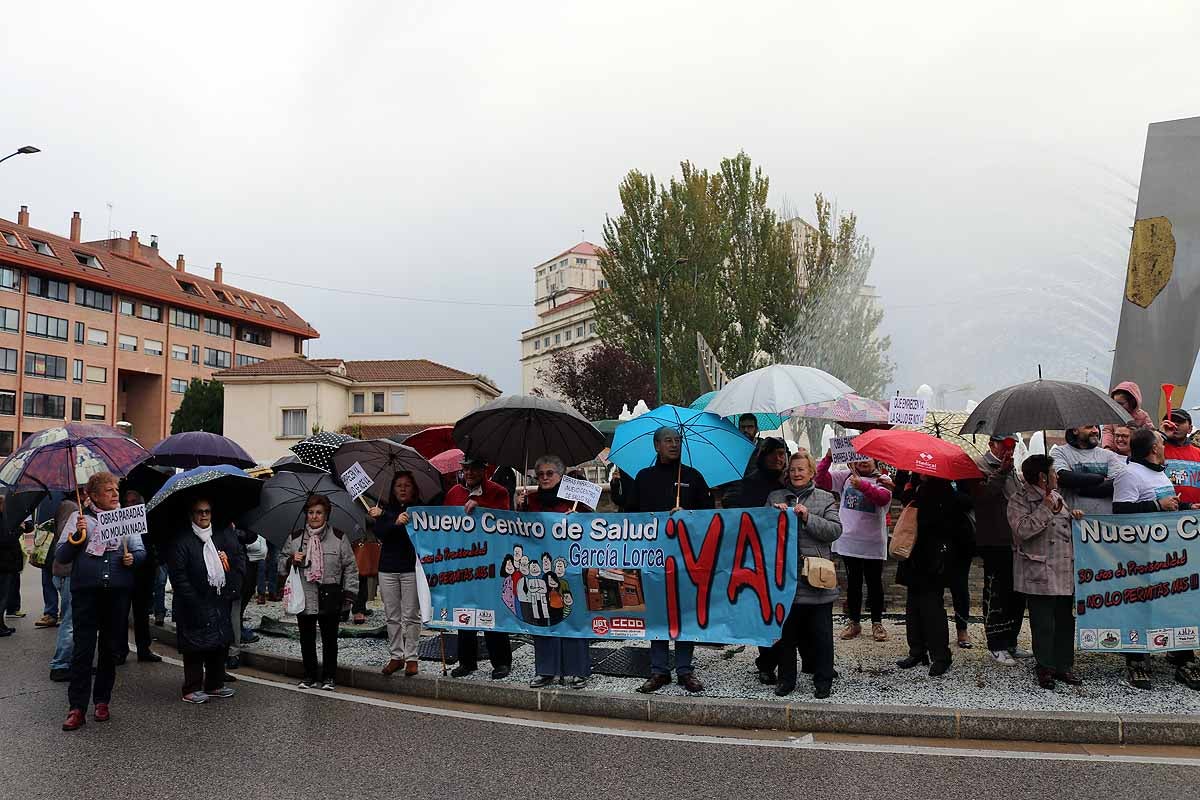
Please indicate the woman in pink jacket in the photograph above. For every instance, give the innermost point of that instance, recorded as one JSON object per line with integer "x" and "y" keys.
{"x": 1128, "y": 395}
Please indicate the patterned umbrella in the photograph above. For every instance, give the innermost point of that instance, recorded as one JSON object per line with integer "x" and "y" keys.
{"x": 516, "y": 428}
{"x": 230, "y": 490}
{"x": 200, "y": 449}
{"x": 280, "y": 508}
{"x": 846, "y": 410}
{"x": 382, "y": 459}
{"x": 317, "y": 451}
{"x": 945, "y": 425}
{"x": 61, "y": 459}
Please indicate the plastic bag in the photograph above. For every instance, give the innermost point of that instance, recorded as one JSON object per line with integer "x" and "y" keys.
{"x": 293, "y": 593}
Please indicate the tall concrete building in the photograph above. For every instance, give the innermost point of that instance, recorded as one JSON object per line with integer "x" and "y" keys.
{"x": 109, "y": 331}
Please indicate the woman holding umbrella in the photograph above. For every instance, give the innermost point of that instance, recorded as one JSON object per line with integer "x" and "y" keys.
{"x": 207, "y": 564}
{"x": 397, "y": 574}
{"x": 329, "y": 574}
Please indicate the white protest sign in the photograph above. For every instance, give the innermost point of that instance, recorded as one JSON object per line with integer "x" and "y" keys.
{"x": 842, "y": 449}
{"x": 584, "y": 492}
{"x": 906, "y": 410}
{"x": 356, "y": 480}
{"x": 112, "y": 525}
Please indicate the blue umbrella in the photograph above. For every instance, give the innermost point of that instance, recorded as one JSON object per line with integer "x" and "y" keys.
{"x": 766, "y": 422}
{"x": 711, "y": 445}
{"x": 231, "y": 491}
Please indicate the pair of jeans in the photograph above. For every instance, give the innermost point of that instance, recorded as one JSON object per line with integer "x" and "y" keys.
{"x": 266, "y": 575}
{"x": 561, "y": 655}
{"x": 925, "y": 624}
{"x": 403, "y": 611}
{"x": 160, "y": 592}
{"x": 49, "y": 594}
{"x": 809, "y": 629}
{"x": 498, "y": 644}
{"x": 101, "y": 629}
{"x": 64, "y": 647}
{"x": 1052, "y": 625}
{"x": 203, "y": 672}
{"x": 329, "y": 645}
{"x": 859, "y": 570}
{"x": 660, "y": 658}
{"x": 1003, "y": 608}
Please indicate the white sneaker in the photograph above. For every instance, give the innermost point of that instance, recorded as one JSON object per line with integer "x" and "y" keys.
{"x": 1004, "y": 658}
{"x": 1017, "y": 652}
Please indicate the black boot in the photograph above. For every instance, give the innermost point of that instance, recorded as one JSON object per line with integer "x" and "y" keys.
{"x": 910, "y": 661}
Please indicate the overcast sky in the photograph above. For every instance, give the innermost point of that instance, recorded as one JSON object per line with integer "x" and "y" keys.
{"x": 440, "y": 150}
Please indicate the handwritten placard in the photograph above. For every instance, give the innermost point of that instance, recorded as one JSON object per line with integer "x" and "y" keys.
{"x": 842, "y": 450}
{"x": 579, "y": 491}
{"x": 356, "y": 480}
{"x": 906, "y": 410}
{"x": 112, "y": 525}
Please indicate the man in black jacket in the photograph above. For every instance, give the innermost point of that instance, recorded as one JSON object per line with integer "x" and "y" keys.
{"x": 668, "y": 485}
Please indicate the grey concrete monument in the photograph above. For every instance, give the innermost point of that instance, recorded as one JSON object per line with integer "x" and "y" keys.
{"x": 1159, "y": 335}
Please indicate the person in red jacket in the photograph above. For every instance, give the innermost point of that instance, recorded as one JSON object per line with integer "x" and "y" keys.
{"x": 1178, "y": 446}
{"x": 476, "y": 491}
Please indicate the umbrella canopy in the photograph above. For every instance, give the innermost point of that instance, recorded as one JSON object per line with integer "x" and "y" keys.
{"x": 432, "y": 441}
{"x": 945, "y": 425}
{"x": 1043, "y": 406}
{"x": 447, "y": 463}
{"x": 775, "y": 389}
{"x": 711, "y": 445}
{"x": 917, "y": 452}
{"x": 766, "y": 422}
{"x": 18, "y": 506}
{"x": 515, "y": 428}
{"x": 382, "y": 459}
{"x": 230, "y": 490}
{"x": 199, "y": 449}
{"x": 60, "y": 459}
{"x": 292, "y": 463}
{"x": 280, "y": 507}
{"x": 847, "y": 410}
{"x": 317, "y": 451}
{"x": 146, "y": 479}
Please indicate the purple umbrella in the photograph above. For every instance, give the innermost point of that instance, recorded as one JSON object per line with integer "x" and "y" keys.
{"x": 200, "y": 449}
{"x": 60, "y": 459}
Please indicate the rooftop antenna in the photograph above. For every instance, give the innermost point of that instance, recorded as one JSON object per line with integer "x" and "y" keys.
{"x": 111, "y": 232}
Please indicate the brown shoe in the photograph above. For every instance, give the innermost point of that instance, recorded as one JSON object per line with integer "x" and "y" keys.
{"x": 691, "y": 683}
{"x": 654, "y": 683}
{"x": 851, "y": 631}
{"x": 410, "y": 669}
{"x": 46, "y": 621}
{"x": 262, "y": 599}
{"x": 391, "y": 666}
{"x": 878, "y": 632}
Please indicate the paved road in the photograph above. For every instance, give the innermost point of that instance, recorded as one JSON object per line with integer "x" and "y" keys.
{"x": 274, "y": 742}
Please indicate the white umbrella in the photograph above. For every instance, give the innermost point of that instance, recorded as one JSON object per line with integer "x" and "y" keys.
{"x": 775, "y": 389}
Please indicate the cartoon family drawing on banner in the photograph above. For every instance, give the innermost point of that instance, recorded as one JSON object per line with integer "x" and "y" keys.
{"x": 535, "y": 590}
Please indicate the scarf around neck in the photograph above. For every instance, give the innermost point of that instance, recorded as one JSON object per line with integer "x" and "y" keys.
{"x": 212, "y": 561}
{"x": 314, "y": 554}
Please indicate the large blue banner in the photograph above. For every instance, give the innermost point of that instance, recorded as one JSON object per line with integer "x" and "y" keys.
{"x": 706, "y": 576}
{"x": 1137, "y": 588}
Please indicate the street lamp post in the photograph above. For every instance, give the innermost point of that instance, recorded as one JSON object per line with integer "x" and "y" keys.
{"x": 21, "y": 151}
{"x": 662, "y": 289}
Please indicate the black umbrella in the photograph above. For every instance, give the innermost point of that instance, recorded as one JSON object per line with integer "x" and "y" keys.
{"x": 1043, "y": 405}
{"x": 318, "y": 450}
{"x": 292, "y": 463}
{"x": 280, "y": 508}
{"x": 200, "y": 449}
{"x": 230, "y": 490}
{"x": 381, "y": 459}
{"x": 18, "y": 506}
{"x": 512, "y": 428}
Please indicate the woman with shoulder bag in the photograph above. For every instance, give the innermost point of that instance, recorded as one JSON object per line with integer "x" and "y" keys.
{"x": 398, "y": 575}
{"x": 329, "y": 574}
{"x": 809, "y": 624}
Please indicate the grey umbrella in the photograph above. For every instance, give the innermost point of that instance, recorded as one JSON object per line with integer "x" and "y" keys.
{"x": 1043, "y": 405}
{"x": 280, "y": 507}
{"x": 515, "y": 428}
{"x": 382, "y": 459}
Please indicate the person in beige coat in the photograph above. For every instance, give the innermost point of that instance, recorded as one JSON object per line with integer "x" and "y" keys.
{"x": 1044, "y": 569}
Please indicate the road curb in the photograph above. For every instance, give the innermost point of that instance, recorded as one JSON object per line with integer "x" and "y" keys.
{"x": 909, "y": 721}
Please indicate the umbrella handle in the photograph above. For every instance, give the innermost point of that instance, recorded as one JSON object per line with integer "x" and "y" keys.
{"x": 78, "y": 503}
{"x": 364, "y": 503}
{"x": 678, "y": 481}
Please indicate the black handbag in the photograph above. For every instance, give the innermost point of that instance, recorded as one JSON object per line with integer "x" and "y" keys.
{"x": 329, "y": 598}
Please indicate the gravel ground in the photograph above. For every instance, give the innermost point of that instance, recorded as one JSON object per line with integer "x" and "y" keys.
{"x": 868, "y": 675}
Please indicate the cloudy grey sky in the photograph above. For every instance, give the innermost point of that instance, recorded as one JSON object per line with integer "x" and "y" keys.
{"x": 439, "y": 150}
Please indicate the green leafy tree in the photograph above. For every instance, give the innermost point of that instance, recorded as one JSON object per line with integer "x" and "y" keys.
{"x": 837, "y": 329}
{"x": 202, "y": 409}
{"x": 599, "y": 381}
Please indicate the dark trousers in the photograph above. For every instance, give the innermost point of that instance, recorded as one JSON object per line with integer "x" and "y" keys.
{"x": 142, "y": 601}
{"x": 204, "y": 672}
{"x": 12, "y": 598}
{"x": 100, "y": 630}
{"x": 957, "y": 574}
{"x": 767, "y": 659}
{"x": 250, "y": 581}
{"x": 329, "y": 645}
{"x": 1052, "y": 624}
{"x": 498, "y": 645}
{"x": 360, "y": 599}
{"x": 6, "y": 580}
{"x": 859, "y": 570}
{"x": 1003, "y": 609}
{"x": 925, "y": 624}
{"x": 49, "y": 594}
{"x": 809, "y": 629}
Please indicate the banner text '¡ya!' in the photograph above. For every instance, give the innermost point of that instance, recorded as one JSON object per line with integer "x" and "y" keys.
{"x": 1092, "y": 530}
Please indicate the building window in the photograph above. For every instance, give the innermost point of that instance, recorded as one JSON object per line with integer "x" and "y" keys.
{"x": 97, "y": 374}
{"x": 40, "y": 365}
{"x": 568, "y": 334}
{"x": 558, "y": 338}
{"x": 46, "y": 327}
{"x": 218, "y": 327}
{"x": 10, "y": 279}
{"x": 93, "y": 411}
{"x": 591, "y": 327}
{"x": 127, "y": 343}
{"x": 77, "y": 370}
{"x": 243, "y": 361}
{"x": 126, "y": 306}
{"x": 546, "y": 342}
{"x": 195, "y": 354}
{"x": 6, "y": 442}
{"x": 185, "y": 319}
{"x": 220, "y": 295}
{"x": 50, "y": 406}
{"x": 178, "y": 385}
{"x": 581, "y": 262}
{"x": 8, "y": 404}
{"x": 76, "y": 408}
{"x": 295, "y": 422}
{"x": 179, "y": 352}
{"x": 579, "y": 332}
{"x": 377, "y": 402}
{"x": 216, "y": 358}
{"x": 279, "y": 313}
{"x": 80, "y": 330}
{"x": 93, "y": 298}
{"x": 87, "y": 260}
{"x": 253, "y": 335}
{"x": 10, "y": 320}
{"x": 151, "y": 312}
{"x": 49, "y": 288}
{"x": 537, "y": 344}
{"x": 152, "y": 347}
{"x": 358, "y": 403}
{"x": 42, "y": 247}
{"x": 98, "y": 337}
{"x": 400, "y": 402}
{"x": 8, "y": 360}
{"x": 10, "y": 239}
{"x": 241, "y": 301}
{"x": 254, "y": 304}
{"x": 190, "y": 288}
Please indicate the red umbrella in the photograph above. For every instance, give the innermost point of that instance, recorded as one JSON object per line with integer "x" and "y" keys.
{"x": 432, "y": 441}
{"x": 448, "y": 462}
{"x": 917, "y": 452}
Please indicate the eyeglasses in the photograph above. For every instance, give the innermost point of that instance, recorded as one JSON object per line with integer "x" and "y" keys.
{"x": 546, "y": 474}
{"x": 203, "y": 512}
